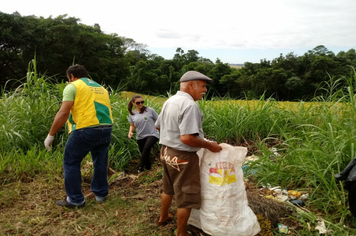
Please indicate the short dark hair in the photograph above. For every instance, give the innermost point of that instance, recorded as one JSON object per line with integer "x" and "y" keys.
{"x": 78, "y": 71}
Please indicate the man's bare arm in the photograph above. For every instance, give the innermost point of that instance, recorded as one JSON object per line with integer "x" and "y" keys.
{"x": 196, "y": 141}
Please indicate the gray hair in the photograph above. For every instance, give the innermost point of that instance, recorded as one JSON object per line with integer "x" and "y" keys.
{"x": 183, "y": 85}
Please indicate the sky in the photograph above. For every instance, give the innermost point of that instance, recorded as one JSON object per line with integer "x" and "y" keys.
{"x": 233, "y": 31}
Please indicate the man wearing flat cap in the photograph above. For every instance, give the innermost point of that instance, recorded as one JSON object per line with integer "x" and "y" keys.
{"x": 181, "y": 136}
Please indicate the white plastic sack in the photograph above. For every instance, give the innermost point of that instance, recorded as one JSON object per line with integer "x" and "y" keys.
{"x": 224, "y": 209}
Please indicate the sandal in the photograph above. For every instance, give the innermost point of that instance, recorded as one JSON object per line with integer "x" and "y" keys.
{"x": 169, "y": 219}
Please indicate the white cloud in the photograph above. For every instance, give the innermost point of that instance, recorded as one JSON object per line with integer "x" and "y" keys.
{"x": 202, "y": 25}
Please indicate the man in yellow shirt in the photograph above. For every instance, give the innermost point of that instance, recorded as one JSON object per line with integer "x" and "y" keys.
{"x": 86, "y": 109}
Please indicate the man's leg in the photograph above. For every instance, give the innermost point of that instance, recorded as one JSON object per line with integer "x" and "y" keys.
{"x": 99, "y": 183}
{"x": 182, "y": 217}
{"x": 73, "y": 156}
{"x": 165, "y": 204}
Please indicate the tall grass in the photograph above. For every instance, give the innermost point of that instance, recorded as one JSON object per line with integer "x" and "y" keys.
{"x": 314, "y": 140}
{"x": 317, "y": 143}
{"x": 122, "y": 149}
{"x": 25, "y": 165}
{"x": 227, "y": 121}
{"x": 27, "y": 111}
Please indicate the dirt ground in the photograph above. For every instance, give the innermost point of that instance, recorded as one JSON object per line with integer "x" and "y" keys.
{"x": 28, "y": 207}
{"x": 269, "y": 212}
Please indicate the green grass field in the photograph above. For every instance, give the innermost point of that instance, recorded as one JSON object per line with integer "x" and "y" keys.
{"x": 314, "y": 141}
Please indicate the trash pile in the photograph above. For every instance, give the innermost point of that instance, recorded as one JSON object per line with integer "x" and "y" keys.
{"x": 295, "y": 197}
{"x": 268, "y": 209}
{"x": 276, "y": 203}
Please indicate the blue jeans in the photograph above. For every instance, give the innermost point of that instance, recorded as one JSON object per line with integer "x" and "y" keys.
{"x": 79, "y": 144}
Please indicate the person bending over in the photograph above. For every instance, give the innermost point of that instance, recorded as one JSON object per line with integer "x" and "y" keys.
{"x": 86, "y": 108}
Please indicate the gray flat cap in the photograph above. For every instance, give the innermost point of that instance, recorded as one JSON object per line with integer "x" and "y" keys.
{"x": 194, "y": 75}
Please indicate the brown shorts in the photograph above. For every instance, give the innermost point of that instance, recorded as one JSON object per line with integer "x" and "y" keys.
{"x": 181, "y": 177}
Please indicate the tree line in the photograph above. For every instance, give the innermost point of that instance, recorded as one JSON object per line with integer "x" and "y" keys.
{"x": 124, "y": 64}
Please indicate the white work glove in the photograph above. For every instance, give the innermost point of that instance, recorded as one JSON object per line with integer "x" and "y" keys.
{"x": 48, "y": 142}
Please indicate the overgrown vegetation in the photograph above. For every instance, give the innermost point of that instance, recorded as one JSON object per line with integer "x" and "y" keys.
{"x": 314, "y": 140}
{"x": 120, "y": 62}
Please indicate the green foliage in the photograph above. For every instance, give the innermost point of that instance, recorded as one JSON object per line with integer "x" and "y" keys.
{"x": 123, "y": 149}
{"x": 314, "y": 141}
{"x": 25, "y": 112}
{"x": 24, "y": 165}
{"x": 148, "y": 177}
{"x": 28, "y": 112}
{"x": 121, "y": 63}
{"x": 314, "y": 148}
{"x": 57, "y": 43}
{"x": 238, "y": 122}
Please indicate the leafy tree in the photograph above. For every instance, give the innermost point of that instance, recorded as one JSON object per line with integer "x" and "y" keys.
{"x": 346, "y": 61}
{"x": 13, "y": 43}
{"x": 218, "y": 71}
{"x": 121, "y": 62}
{"x": 231, "y": 82}
{"x": 179, "y": 58}
{"x": 58, "y": 43}
{"x": 192, "y": 56}
{"x": 321, "y": 50}
{"x": 202, "y": 67}
{"x": 314, "y": 68}
{"x": 294, "y": 86}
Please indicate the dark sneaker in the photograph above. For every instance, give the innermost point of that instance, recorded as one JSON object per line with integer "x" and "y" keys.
{"x": 64, "y": 203}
